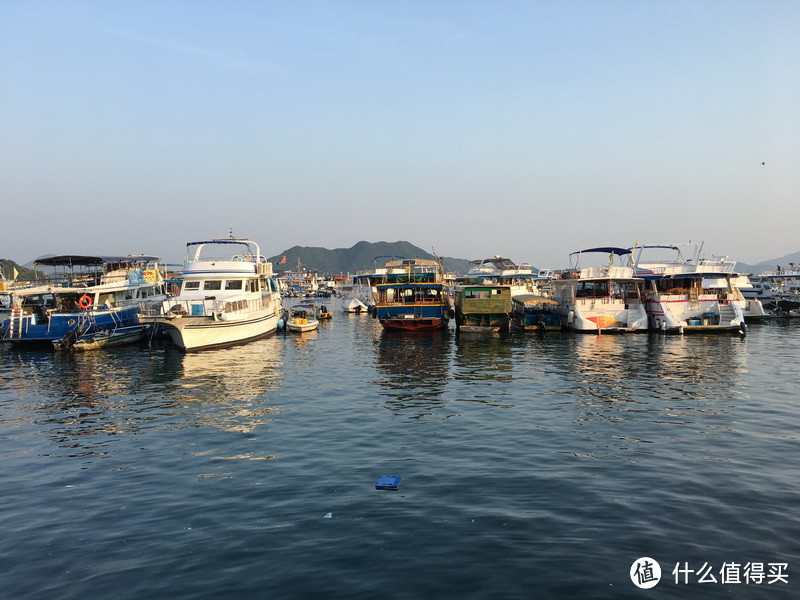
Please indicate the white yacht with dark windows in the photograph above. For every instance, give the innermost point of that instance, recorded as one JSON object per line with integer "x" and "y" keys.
{"x": 601, "y": 299}
{"x": 223, "y": 300}
{"x": 685, "y": 293}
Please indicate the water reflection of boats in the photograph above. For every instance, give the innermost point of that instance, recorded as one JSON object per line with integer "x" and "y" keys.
{"x": 484, "y": 361}
{"x": 124, "y": 391}
{"x": 232, "y": 383}
{"x": 610, "y": 369}
{"x": 690, "y": 392}
{"x": 413, "y": 372}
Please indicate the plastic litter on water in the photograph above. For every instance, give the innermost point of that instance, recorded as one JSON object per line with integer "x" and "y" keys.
{"x": 328, "y": 516}
{"x": 388, "y": 482}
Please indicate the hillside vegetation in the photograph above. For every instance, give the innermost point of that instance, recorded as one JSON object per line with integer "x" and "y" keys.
{"x": 7, "y": 269}
{"x": 361, "y": 256}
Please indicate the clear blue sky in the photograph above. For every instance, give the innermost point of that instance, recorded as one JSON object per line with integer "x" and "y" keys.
{"x": 527, "y": 129}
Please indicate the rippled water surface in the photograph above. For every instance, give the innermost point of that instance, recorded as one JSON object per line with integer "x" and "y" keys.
{"x": 533, "y": 467}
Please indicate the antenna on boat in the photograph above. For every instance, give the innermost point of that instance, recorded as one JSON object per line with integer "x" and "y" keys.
{"x": 439, "y": 260}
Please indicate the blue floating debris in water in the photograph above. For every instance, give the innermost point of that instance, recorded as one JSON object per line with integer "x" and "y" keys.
{"x": 388, "y": 482}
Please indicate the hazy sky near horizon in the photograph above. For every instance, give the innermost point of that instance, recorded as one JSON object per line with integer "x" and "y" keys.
{"x": 523, "y": 128}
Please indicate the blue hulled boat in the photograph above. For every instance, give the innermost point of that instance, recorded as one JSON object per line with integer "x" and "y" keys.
{"x": 412, "y": 296}
{"x": 84, "y": 301}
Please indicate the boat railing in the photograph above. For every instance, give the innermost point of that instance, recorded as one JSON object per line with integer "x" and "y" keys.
{"x": 201, "y": 307}
{"x": 421, "y": 276}
{"x": 433, "y": 301}
{"x": 613, "y": 299}
{"x": 84, "y": 280}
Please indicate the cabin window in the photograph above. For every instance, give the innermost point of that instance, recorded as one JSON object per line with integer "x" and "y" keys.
{"x": 670, "y": 285}
{"x": 233, "y": 284}
{"x": 191, "y": 285}
{"x": 592, "y": 289}
{"x": 214, "y": 284}
{"x": 106, "y": 299}
{"x": 479, "y": 293}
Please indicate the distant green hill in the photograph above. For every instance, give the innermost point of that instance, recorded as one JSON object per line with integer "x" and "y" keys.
{"x": 7, "y": 269}
{"x": 358, "y": 258}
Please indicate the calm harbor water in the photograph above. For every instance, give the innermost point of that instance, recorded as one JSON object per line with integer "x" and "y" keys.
{"x": 533, "y": 467}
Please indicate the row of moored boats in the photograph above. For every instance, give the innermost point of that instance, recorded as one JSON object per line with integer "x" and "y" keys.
{"x": 227, "y": 294}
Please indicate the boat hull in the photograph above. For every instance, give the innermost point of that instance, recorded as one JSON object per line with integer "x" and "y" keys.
{"x": 300, "y": 328}
{"x": 414, "y": 323}
{"x": 27, "y": 329}
{"x": 680, "y": 314}
{"x": 413, "y": 317}
{"x": 192, "y": 334}
{"x": 604, "y": 315}
{"x": 122, "y": 337}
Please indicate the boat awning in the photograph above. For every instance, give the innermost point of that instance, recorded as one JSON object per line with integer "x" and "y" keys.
{"x": 411, "y": 263}
{"x": 221, "y": 241}
{"x": 386, "y": 286}
{"x": 653, "y": 246}
{"x": 497, "y": 261}
{"x": 605, "y": 250}
{"x": 69, "y": 260}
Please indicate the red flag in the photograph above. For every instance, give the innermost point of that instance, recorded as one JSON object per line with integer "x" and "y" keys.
{"x": 283, "y": 260}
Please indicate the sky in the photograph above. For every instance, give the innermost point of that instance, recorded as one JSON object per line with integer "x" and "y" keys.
{"x": 529, "y": 129}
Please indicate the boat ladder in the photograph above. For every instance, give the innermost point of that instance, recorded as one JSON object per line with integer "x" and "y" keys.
{"x": 15, "y": 315}
{"x": 726, "y": 314}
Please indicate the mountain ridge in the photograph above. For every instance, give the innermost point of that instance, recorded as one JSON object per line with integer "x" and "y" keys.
{"x": 359, "y": 257}
{"x": 769, "y": 265}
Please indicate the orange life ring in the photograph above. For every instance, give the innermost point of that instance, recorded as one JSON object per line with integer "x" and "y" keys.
{"x": 85, "y": 301}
